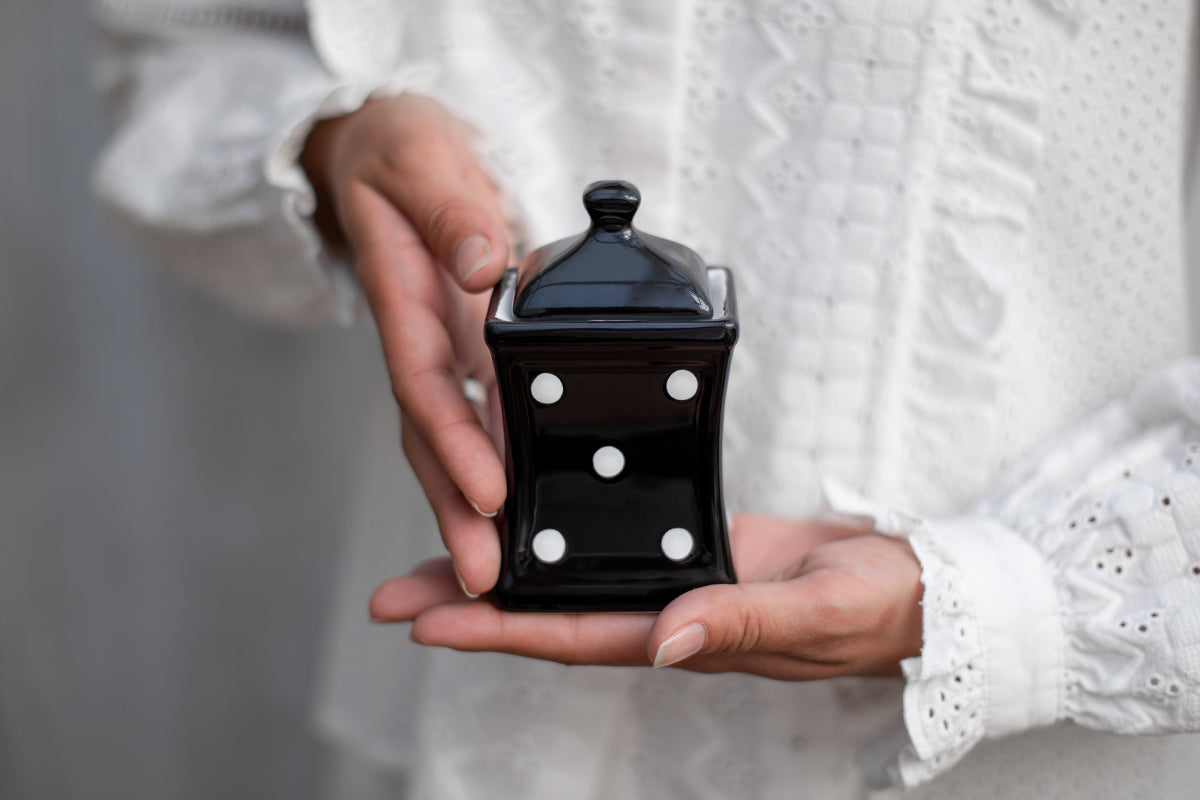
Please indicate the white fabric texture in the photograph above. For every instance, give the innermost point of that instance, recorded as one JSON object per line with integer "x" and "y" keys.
{"x": 1103, "y": 630}
{"x": 214, "y": 104}
{"x": 955, "y": 229}
{"x": 1074, "y": 594}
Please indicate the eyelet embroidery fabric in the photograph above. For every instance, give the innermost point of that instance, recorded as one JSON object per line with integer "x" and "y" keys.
{"x": 945, "y": 692}
{"x": 955, "y": 226}
{"x": 1113, "y": 513}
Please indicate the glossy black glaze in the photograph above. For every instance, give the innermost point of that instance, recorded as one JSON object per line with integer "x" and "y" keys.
{"x": 613, "y": 365}
{"x": 613, "y": 268}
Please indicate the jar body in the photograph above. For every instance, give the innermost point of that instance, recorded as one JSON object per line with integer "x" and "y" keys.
{"x": 613, "y": 456}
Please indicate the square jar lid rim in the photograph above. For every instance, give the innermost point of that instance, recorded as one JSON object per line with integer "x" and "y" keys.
{"x": 721, "y": 293}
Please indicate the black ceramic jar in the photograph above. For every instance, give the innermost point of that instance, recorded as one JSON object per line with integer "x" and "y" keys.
{"x": 612, "y": 354}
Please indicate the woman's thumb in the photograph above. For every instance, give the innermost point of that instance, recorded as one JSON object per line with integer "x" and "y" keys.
{"x": 731, "y": 619}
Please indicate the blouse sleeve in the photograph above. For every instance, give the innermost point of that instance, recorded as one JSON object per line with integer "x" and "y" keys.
{"x": 1072, "y": 592}
{"x": 211, "y": 106}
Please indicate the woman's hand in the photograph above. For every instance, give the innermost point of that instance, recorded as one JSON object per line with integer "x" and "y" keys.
{"x": 817, "y": 599}
{"x": 397, "y": 183}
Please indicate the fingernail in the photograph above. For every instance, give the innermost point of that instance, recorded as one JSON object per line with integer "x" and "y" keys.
{"x": 463, "y": 584}
{"x": 684, "y": 643}
{"x": 480, "y": 511}
{"x": 472, "y": 255}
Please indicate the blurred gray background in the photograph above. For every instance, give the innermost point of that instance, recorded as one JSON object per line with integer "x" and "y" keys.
{"x": 173, "y": 484}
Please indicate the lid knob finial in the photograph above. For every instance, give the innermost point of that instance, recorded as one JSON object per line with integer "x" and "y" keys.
{"x": 612, "y": 204}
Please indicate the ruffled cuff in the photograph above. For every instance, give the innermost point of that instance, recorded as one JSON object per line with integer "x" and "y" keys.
{"x": 992, "y": 661}
{"x": 297, "y": 199}
{"x": 203, "y": 171}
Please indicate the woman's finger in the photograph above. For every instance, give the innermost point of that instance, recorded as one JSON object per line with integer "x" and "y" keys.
{"x": 800, "y": 618}
{"x": 470, "y": 537}
{"x": 408, "y": 299}
{"x": 402, "y": 599}
{"x": 428, "y": 174}
{"x": 608, "y": 639}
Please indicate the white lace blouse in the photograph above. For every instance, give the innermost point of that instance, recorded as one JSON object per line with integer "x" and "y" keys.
{"x": 956, "y": 228}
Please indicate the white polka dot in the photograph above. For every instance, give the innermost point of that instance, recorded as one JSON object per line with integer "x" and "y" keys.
{"x": 682, "y": 385}
{"x": 677, "y": 544}
{"x": 608, "y": 462}
{"x": 549, "y": 546}
{"x": 546, "y": 388}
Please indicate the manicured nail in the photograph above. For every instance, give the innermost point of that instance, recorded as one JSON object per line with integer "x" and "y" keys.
{"x": 684, "y": 643}
{"x": 480, "y": 511}
{"x": 463, "y": 584}
{"x": 472, "y": 255}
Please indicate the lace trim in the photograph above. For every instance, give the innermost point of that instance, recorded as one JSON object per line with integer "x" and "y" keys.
{"x": 1129, "y": 554}
{"x": 945, "y": 694}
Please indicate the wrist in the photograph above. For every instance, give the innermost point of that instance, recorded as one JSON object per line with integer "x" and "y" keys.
{"x": 316, "y": 159}
{"x": 900, "y": 630}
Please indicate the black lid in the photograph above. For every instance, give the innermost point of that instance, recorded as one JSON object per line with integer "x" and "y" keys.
{"x": 613, "y": 269}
